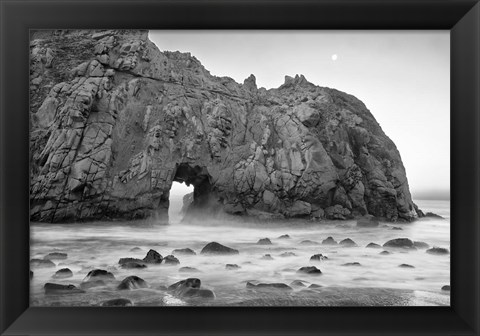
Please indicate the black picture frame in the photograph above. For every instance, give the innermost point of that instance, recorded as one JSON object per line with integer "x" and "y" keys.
{"x": 461, "y": 17}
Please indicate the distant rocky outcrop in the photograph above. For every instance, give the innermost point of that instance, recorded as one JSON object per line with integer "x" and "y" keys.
{"x": 114, "y": 121}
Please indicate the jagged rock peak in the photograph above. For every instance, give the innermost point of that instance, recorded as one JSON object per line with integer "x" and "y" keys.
{"x": 115, "y": 121}
{"x": 250, "y": 83}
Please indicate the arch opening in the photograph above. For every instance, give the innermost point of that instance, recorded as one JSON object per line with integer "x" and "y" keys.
{"x": 204, "y": 200}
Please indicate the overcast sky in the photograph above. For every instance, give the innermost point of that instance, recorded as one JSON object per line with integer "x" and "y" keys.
{"x": 403, "y": 77}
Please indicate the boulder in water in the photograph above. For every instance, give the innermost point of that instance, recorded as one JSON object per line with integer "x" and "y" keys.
{"x": 385, "y": 253}
{"x": 264, "y": 241}
{"x": 373, "y": 245}
{"x": 400, "y": 243}
{"x": 352, "y": 264}
{"x": 120, "y": 302}
{"x": 285, "y": 236}
{"x": 191, "y": 288}
{"x": 318, "y": 257}
{"x": 297, "y": 283}
{"x": 63, "y": 273}
{"x": 53, "y": 288}
{"x": 99, "y": 274}
{"x": 216, "y": 248}
{"x": 311, "y": 270}
{"x": 31, "y": 274}
{"x": 315, "y": 286}
{"x": 135, "y": 249}
{"x": 406, "y": 266}
{"x": 438, "y": 251}
{"x": 446, "y": 288}
{"x": 421, "y": 245}
{"x": 184, "y": 251}
{"x": 348, "y": 243}
{"x": 132, "y": 282}
{"x": 329, "y": 241}
{"x": 153, "y": 257}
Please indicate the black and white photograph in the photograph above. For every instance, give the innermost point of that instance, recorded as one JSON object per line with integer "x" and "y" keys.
{"x": 255, "y": 168}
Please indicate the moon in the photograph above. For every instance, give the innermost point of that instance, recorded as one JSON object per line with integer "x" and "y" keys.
{"x": 334, "y": 57}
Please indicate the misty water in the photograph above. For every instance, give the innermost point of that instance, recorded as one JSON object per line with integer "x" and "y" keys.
{"x": 377, "y": 281}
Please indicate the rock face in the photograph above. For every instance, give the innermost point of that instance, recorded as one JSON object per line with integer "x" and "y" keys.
{"x": 114, "y": 122}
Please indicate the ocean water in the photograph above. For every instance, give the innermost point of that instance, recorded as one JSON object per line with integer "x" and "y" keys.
{"x": 377, "y": 281}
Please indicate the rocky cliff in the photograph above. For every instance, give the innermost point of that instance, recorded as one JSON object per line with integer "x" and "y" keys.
{"x": 114, "y": 122}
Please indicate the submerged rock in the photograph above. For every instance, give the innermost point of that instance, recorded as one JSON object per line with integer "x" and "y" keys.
{"x": 92, "y": 284}
{"x": 385, "y": 253}
{"x": 267, "y": 257}
{"x": 232, "y": 266}
{"x": 297, "y": 283}
{"x": 63, "y": 274}
{"x": 438, "y": 251}
{"x": 433, "y": 215}
{"x": 373, "y": 245}
{"x": 188, "y": 269}
{"x": 285, "y": 236}
{"x": 132, "y": 282}
{"x": 308, "y": 242}
{"x": 153, "y": 257}
{"x": 135, "y": 249}
{"x": 31, "y": 274}
{"x": 53, "y": 288}
{"x": 287, "y": 254}
{"x": 121, "y": 302}
{"x": 269, "y": 286}
{"x": 56, "y": 256}
{"x": 128, "y": 119}
{"x": 41, "y": 263}
{"x": 133, "y": 264}
{"x": 367, "y": 221}
{"x": 315, "y": 286}
{"x": 216, "y": 248}
{"x": 402, "y": 243}
{"x": 329, "y": 241}
{"x": 264, "y": 241}
{"x": 311, "y": 270}
{"x": 446, "y": 288}
{"x": 184, "y": 251}
{"x": 352, "y": 264}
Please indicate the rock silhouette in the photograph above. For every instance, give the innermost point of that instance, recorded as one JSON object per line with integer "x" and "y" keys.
{"x": 115, "y": 121}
